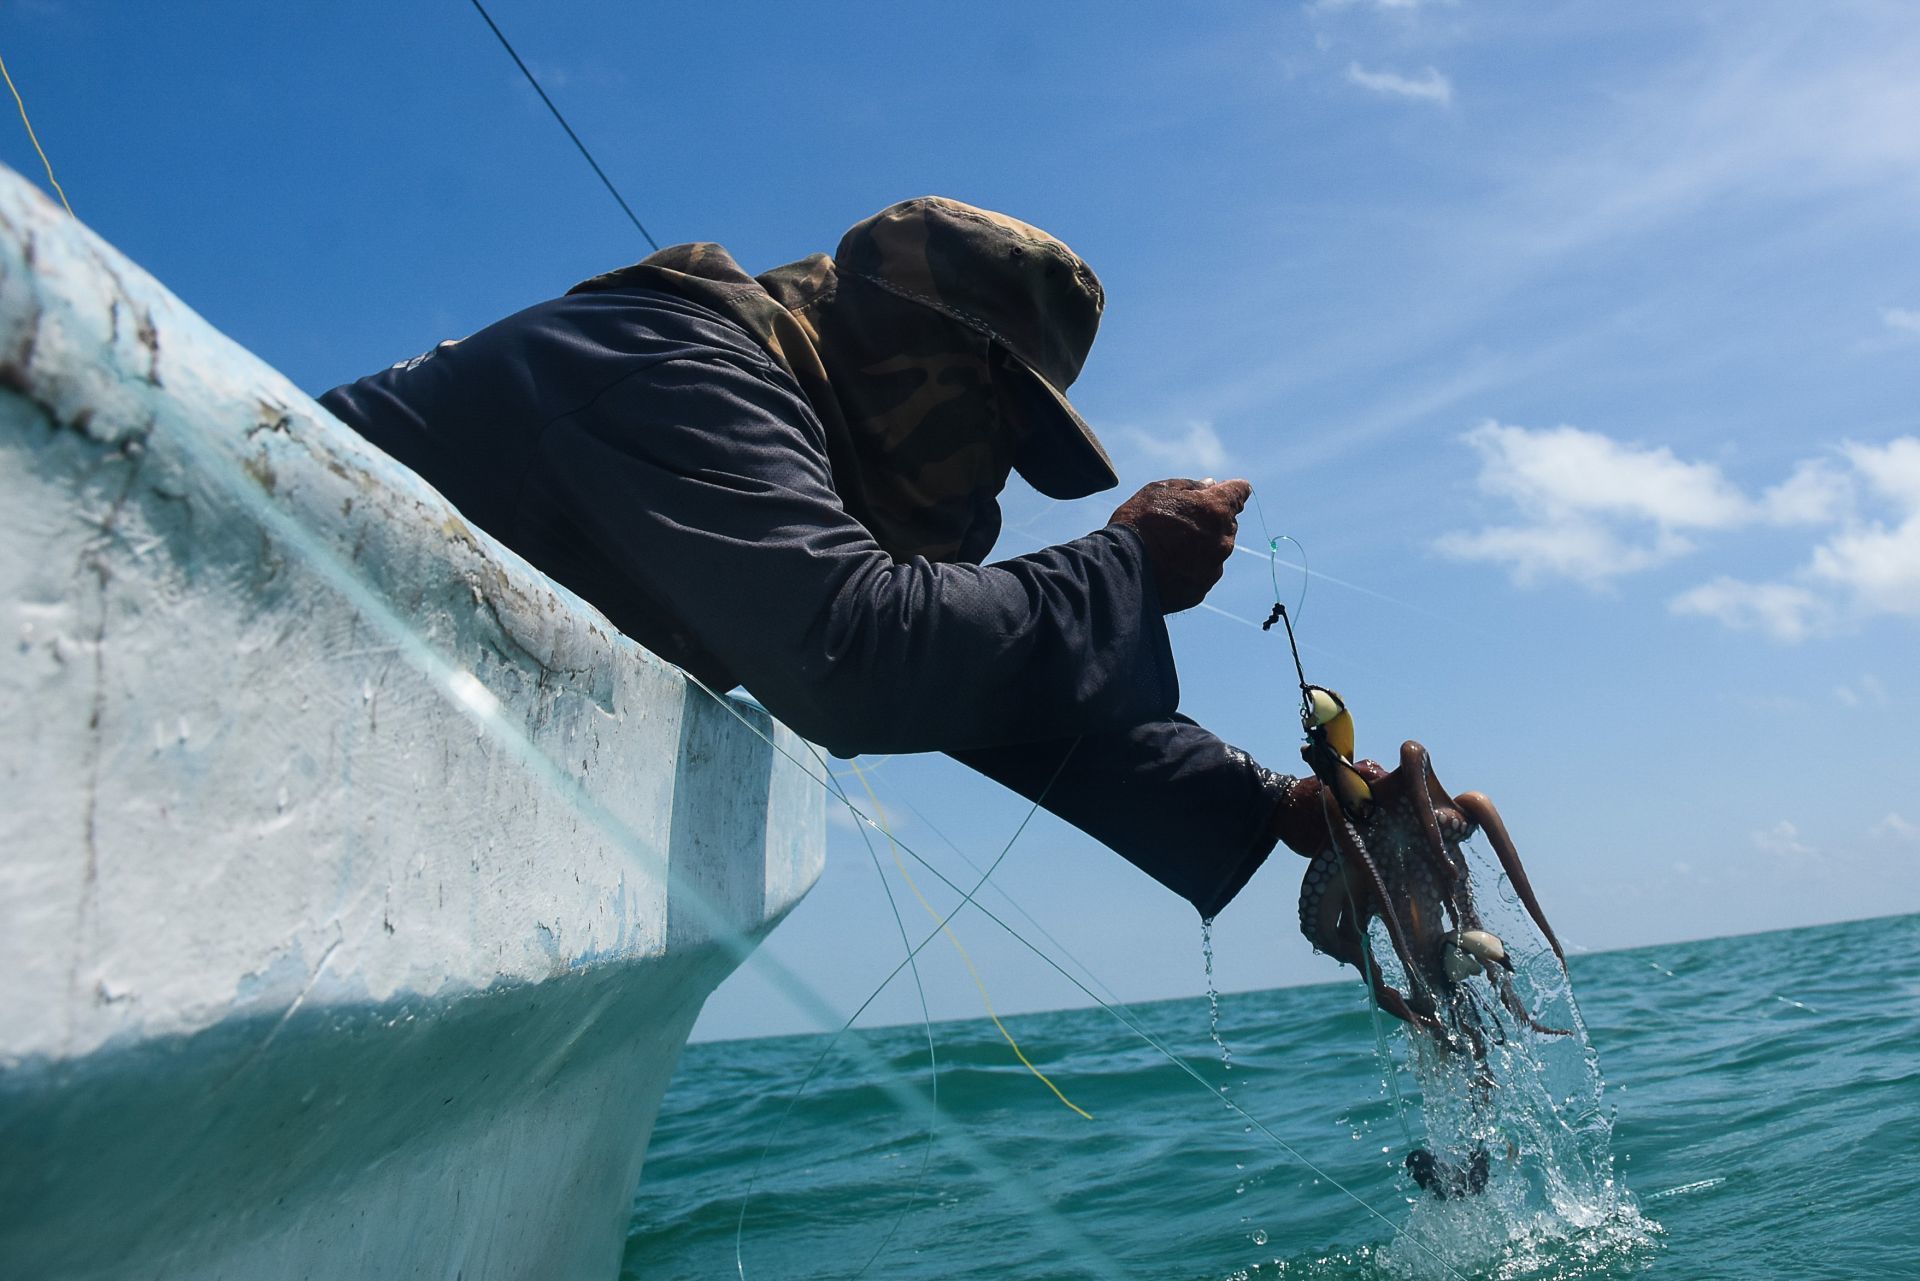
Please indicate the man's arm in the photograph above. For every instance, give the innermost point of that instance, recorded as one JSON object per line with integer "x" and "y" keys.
{"x": 707, "y": 483}
{"x": 1195, "y": 813}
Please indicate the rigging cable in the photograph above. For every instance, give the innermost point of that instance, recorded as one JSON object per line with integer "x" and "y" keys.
{"x": 598, "y": 171}
{"x": 35, "y": 137}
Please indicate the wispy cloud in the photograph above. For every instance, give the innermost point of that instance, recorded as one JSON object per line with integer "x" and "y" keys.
{"x": 1782, "y": 839}
{"x": 1902, "y": 321}
{"x": 1372, "y": 4}
{"x": 1867, "y": 691}
{"x": 1782, "y": 610}
{"x": 1428, "y": 86}
{"x": 1195, "y": 450}
{"x": 1869, "y": 566}
{"x": 1747, "y": 114}
{"x": 1895, "y": 828}
{"x": 1591, "y": 509}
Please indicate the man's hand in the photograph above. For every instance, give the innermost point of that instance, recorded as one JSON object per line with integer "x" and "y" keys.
{"x": 1300, "y": 820}
{"x": 1188, "y": 527}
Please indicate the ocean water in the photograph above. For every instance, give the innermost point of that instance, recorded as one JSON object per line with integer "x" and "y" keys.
{"x": 1739, "y": 1108}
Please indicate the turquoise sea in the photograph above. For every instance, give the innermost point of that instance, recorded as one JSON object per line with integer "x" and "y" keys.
{"x": 1750, "y": 1108}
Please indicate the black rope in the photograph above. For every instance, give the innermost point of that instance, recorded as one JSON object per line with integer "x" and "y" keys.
{"x": 615, "y": 191}
{"x": 1279, "y": 615}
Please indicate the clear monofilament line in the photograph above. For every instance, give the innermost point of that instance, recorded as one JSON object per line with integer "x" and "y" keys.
{"x": 933, "y": 1079}
{"x": 1115, "y": 1009}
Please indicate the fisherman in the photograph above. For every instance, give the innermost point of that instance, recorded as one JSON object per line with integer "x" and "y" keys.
{"x": 790, "y": 482}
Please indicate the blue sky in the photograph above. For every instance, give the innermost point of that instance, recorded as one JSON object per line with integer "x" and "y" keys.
{"x": 1578, "y": 344}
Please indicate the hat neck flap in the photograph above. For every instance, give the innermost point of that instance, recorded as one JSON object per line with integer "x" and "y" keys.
{"x": 916, "y": 435}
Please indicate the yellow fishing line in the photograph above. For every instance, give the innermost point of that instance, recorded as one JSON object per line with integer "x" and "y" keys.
{"x": 35, "y": 137}
{"x": 886, "y": 830}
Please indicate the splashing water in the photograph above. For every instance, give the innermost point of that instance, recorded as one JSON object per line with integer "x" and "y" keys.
{"x": 1535, "y": 1106}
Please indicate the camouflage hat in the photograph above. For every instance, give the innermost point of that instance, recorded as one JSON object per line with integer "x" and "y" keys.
{"x": 1016, "y": 285}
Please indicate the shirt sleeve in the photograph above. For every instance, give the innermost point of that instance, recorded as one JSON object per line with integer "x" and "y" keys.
{"x": 1188, "y": 809}
{"x": 707, "y": 482}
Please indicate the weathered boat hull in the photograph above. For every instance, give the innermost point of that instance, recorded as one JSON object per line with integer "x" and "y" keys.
{"x": 360, "y": 884}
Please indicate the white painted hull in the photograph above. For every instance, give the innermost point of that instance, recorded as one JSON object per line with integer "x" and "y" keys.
{"x": 340, "y": 937}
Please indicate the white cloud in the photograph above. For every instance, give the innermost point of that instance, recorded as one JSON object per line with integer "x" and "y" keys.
{"x": 1892, "y": 469}
{"x": 1592, "y": 508}
{"x": 1903, "y": 321}
{"x": 1583, "y": 550}
{"x": 1429, "y": 86}
{"x": 1895, "y": 828}
{"x": 1875, "y": 565}
{"x": 1782, "y": 839}
{"x": 1817, "y": 493}
{"x": 1372, "y": 4}
{"x": 1869, "y": 690}
{"x": 1783, "y": 611}
{"x": 1196, "y": 452}
{"x": 1567, "y": 471}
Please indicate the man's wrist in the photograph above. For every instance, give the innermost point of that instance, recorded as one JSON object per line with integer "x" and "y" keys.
{"x": 1295, "y": 819}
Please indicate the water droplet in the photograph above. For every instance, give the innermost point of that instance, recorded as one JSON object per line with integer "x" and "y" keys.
{"x": 1213, "y": 998}
{"x": 1259, "y": 1236}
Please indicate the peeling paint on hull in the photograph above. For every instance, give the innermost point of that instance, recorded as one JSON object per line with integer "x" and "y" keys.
{"x": 338, "y": 939}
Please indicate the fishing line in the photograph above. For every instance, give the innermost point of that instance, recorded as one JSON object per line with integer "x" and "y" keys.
{"x": 1409, "y": 606}
{"x": 18, "y": 101}
{"x": 1215, "y": 609}
{"x": 1012, "y": 902}
{"x": 1383, "y": 1054}
{"x": 1400, "y": 1104}
{"x": 893, "y": 847}
{"x": 1231, "y": 1104}
{"x": 1115, "y": 1010}
{"x": 1273, "y": 559}
{"x": 598, "y": 171}
{"x": 793, "y": 1101}
{"x": 834, "y": 789}
{"x": 1368, "y": 965}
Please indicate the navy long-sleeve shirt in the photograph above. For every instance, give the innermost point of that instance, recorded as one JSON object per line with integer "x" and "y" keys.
{"x": 650, "y": 455}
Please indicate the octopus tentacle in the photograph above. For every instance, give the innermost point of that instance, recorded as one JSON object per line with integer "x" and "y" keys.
{"x": 1518, "y": 1008}
{"x": 1354, "y": 849}
{"x": 1396, "y": 1003}
{"x": 1445, "y": 858}
{"x": 1477, "y": 807}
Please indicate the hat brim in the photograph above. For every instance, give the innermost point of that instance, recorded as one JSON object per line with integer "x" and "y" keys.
{"x": 1060, "y": 456}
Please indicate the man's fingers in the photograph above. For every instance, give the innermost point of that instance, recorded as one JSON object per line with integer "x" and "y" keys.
{"x": 1237, "y": 490}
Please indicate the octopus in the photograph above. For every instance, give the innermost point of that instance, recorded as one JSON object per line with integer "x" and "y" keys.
{"x": 1385, "y": 845}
